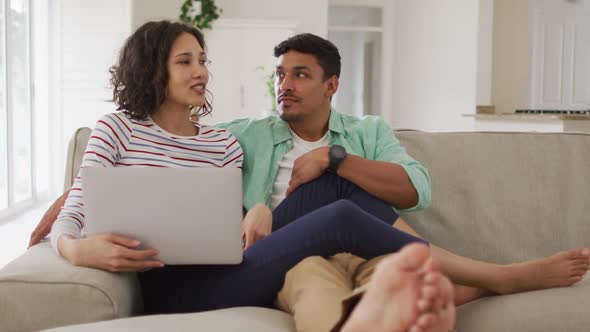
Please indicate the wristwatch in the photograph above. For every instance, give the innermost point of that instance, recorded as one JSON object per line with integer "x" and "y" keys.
{"x": 337, "y": 154}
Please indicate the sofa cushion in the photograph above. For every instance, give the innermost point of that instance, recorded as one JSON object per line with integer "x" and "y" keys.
{"x": 549, "y": 310}
{"x": 558, "y": 309}
{"x": 504, "y": 197}
{"x": 243, "y": 319}
{"x": 40, "y": 290}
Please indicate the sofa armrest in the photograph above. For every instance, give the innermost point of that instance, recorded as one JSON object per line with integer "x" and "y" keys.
{"x": 76, "y": 148}
{"x": 40, "y": 290}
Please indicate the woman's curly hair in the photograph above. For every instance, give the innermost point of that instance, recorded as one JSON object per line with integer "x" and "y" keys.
{"x": 140, "y": 77}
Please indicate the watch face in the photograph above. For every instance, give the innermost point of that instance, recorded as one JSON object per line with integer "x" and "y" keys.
{"x": 338, "y": 152}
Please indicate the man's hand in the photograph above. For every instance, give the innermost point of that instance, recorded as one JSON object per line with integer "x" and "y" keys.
{"x": 309, "y": 167}
{"x": 44, "y": 226}
{"x": 256, "y": 225}
{"x": 109, "y": 252}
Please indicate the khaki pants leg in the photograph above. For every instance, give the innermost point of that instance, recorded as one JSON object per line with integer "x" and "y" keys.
{"x": 360, "y": 280}
{"x": 314, "y": 290}
{"x": 365, "y": 270}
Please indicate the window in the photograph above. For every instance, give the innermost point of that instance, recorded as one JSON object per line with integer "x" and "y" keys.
{"x": 16, "y": 175}
{"x": 54, "y": 60}
{"x": 3, "y": 113}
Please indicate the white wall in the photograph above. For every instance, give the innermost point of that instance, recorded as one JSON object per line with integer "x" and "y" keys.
{"x": 435, "y": 54}
{"x": 435, "y": 64}
{"x": 485, "y": 42}
{"x": 312, "y": 15}
{"x": 351, "y": 95}
{"x": 347, "y": 94}
{"x": 151, "y": 10}
{"x": 511, "y": 55}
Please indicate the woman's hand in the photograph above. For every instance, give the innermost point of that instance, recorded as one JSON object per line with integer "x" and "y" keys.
{"x": 48, "y": 219}
{"x": 256, "y": 225}
{"x": 108, "y": 252}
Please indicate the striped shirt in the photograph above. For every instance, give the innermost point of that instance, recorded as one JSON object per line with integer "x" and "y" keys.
{"x": 119, "y": 141}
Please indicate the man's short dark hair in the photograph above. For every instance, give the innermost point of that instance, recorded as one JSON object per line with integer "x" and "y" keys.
{"x": 323, "y": 50}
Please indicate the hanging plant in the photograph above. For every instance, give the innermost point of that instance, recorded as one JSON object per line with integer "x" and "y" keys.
{"x": 269, "y": 82}
{"x": 199, "y": 13}
{"x": 270, "y": 87}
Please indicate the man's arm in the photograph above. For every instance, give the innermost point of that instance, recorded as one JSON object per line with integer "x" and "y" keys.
{"x": 387, "y": 172}
{"x": 44, "y": 227}
{"x": 384, "y": 180}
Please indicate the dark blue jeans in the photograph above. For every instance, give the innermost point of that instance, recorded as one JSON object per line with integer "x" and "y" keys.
{"x": 322, "y": 218}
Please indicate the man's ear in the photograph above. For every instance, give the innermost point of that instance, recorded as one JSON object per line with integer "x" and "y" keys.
{"x": 332, "y": 83}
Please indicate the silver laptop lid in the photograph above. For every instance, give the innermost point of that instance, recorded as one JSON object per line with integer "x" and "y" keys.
{"x": 191, "y": 215}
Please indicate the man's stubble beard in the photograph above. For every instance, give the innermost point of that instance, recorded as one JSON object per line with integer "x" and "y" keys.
{"x": 291, "y": 117}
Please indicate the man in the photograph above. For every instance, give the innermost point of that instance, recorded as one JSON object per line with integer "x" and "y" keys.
{"x": 308, "y": 140}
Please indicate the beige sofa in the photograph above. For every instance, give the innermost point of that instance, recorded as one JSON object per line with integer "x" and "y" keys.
{"x": 499, "y": 197}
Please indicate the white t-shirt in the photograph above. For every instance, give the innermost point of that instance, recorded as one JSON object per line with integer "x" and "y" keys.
{"x": 300, "y": 147}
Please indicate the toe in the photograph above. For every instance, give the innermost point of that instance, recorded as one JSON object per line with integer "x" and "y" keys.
{"x": 423, "y": 305}
{"x": 437, "y": 305}
{"x": 426, "y": 321}
{"x": 581, "y": 264}
{"x": 413, "y": 256}
{"x": 429, "y": 293}
{"x": 583, "y": 253}
{"x": 431, "y": 266}
{"x": 578, "y": 273}
{"x": 431, "y": 278}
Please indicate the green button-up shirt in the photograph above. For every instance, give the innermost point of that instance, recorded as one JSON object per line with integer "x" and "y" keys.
{"x": 266, "y": 141}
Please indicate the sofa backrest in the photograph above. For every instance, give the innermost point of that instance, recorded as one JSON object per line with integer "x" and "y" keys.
{"x": 499, "y": 197}
{"x": 504, "y": 197}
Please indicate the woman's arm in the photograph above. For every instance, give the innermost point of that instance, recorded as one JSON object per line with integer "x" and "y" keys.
{"x": 108, "y": 252}
{"x": 48, "y": 219}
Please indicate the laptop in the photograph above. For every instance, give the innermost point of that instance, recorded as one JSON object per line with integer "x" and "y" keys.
{"x": 190, "y": 215}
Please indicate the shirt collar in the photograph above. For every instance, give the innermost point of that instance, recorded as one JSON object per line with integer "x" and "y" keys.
{"x": 335, "y": 123}
{"x": 281, "y": 133}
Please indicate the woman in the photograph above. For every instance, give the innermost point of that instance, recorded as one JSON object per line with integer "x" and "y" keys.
{"x": 159, "y": 81}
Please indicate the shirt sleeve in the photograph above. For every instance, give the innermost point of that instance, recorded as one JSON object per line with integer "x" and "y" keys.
{"x": 234, "y": 156}
{"x": 389, "y": 149}
{"x": 102, "y": 151}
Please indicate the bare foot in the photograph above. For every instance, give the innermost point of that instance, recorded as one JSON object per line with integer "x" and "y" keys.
{"x": 560, "y": 270}
{"x": 406, "y": 292}
{"x": 438, "y": 290}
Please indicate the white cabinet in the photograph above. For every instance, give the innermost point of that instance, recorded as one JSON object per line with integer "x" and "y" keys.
{"x": 241, "y": 54}
{"x": 561, "y": 55}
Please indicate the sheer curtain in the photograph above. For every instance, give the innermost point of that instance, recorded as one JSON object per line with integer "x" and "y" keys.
{"x": 54, "y": 61}
{"x": 16, "y": 173}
